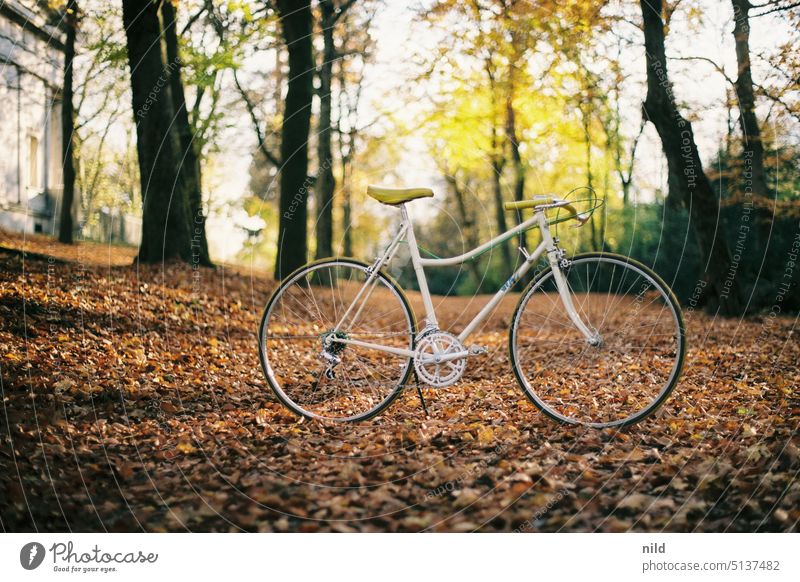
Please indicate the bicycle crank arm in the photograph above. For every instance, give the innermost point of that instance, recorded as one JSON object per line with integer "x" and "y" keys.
{"x": 468, "y": 353}
{"x": 446, "y": 357}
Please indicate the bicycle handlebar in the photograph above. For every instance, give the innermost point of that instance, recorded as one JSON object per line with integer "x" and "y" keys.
{"x": 575, "y": 214}
{"x": 554, "y": 203}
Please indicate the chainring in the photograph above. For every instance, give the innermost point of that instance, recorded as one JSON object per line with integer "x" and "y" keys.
{"x": 439, "y": 374}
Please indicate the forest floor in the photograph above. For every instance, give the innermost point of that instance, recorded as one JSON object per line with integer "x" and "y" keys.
{"x": 133, "y": 400}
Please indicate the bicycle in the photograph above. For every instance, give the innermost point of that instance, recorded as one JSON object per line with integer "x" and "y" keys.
{"x": 596, "y": 339}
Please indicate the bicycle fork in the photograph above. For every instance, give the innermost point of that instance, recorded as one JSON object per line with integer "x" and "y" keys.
{"x": 555, "y": 257}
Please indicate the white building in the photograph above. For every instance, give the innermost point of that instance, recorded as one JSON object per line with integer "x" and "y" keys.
{"x": 31, "y": 72}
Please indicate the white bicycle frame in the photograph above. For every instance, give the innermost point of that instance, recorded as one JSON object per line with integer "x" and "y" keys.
{"x": 406, "y": 233}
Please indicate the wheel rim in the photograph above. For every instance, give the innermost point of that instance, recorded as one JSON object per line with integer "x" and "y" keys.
{"x": 298, "y": 325}
{"x": 624, "y": 378}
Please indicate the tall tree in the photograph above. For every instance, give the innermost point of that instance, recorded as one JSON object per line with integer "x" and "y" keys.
{"x": 467, "y": 221}
{"x": 66, "y": 225}
{"x": 753, "y": 146}
{"x": 165, "y": 213}
{"x": 586, "y": 109}
{"x": 688, "y": 183}
{"x": 516, "y": 156}
{"x": 187, "y": 155}
{"x": 331, "y": 14}
{"x": 326, "y": 183}
{"x": 521, "y": 39}
{"x": 624, "y": 159}
{"x": 296, "y": 24}
{"x": 498, "y": 160}
{"x": 355, "y": 41}
{"x": 348, "y": 109}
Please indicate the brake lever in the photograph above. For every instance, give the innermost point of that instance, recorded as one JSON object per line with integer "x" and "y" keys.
{"x": 581, "y": 221}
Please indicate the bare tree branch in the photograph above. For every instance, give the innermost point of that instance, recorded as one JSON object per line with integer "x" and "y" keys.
{"x": 776, "y": 9}
{"x": 761, "y": 89}
{"x": 776, "y": 99}
{"x": 251, "y": 110}
{"x": 193, "y": 18}
{"x": 716, "y": 66}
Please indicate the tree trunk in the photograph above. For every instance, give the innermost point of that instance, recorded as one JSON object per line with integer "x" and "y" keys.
{"x": 586, "y": 122}
{"x": 165, "y": 224}
{"x": 498, "y": 162}
{"x": 688, "y": 183}
{"x": 345, "y": 162}
{"x": 469, "y": 226}
{"x": 65, "y": 224}
{"x": 292, "y": 243}
{"x": 345, "y": 154}
{"x": 500, "y": 211}
{"x": 625, "y": 175}
{"x": 516, "y": 159}
{"x": 754, "y": 176}
{"x": 347, "y": 150}
{"x": 187, "y": 155}
{"x": 326, "y": 183}
{"x": 347, "y": 217}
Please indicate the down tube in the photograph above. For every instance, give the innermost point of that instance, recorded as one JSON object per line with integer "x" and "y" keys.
{"x": 489, "y": 307}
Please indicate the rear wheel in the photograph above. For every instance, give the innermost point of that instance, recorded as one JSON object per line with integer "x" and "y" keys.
{"x": 313, "y": 373}
{"x": 617, "y": 380}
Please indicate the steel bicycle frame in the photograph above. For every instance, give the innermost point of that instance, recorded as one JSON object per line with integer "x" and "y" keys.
{"x": 406, "y": 232}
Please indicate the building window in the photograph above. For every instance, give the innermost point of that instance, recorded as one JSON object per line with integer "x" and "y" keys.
{"x": 33, "y": 162}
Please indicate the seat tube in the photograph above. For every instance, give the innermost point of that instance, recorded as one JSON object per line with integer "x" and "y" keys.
{"x": 430, "y": 316}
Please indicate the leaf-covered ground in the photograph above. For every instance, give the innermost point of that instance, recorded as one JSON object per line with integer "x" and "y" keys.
{"x": 133, "y": 400}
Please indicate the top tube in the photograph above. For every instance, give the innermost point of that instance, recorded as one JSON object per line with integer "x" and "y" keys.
{"x": 532, "y": 222}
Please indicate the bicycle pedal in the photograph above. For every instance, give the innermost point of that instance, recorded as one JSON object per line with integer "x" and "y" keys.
{"x": 477, "y": 350}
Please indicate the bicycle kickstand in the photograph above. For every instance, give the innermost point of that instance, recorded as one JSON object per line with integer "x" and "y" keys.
{"x": 419, "y": 391}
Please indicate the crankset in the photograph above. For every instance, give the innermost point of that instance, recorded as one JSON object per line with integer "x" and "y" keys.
{"x": 440, "y": 359}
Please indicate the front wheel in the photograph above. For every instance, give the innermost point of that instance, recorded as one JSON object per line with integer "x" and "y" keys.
{"x": 630, "y": 365}
{"x": 307, "y": 365}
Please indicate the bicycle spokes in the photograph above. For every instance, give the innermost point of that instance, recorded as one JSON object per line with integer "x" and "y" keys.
{"x": 309, "y": 361}
{"x": 624, "y": 371}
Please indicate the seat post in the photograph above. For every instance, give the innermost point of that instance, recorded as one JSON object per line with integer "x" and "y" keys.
{"x": 430, "y": 316}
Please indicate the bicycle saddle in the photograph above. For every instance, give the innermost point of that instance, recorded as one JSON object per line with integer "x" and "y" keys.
{"x": 394, "y": 196}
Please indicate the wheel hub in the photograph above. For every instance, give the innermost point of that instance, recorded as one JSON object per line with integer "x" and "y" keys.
{"x": 331, "y": 347}
{"x": 331, "y": 351}
{"x": 431, "y": 362}
{"x": 596, "y": 341}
